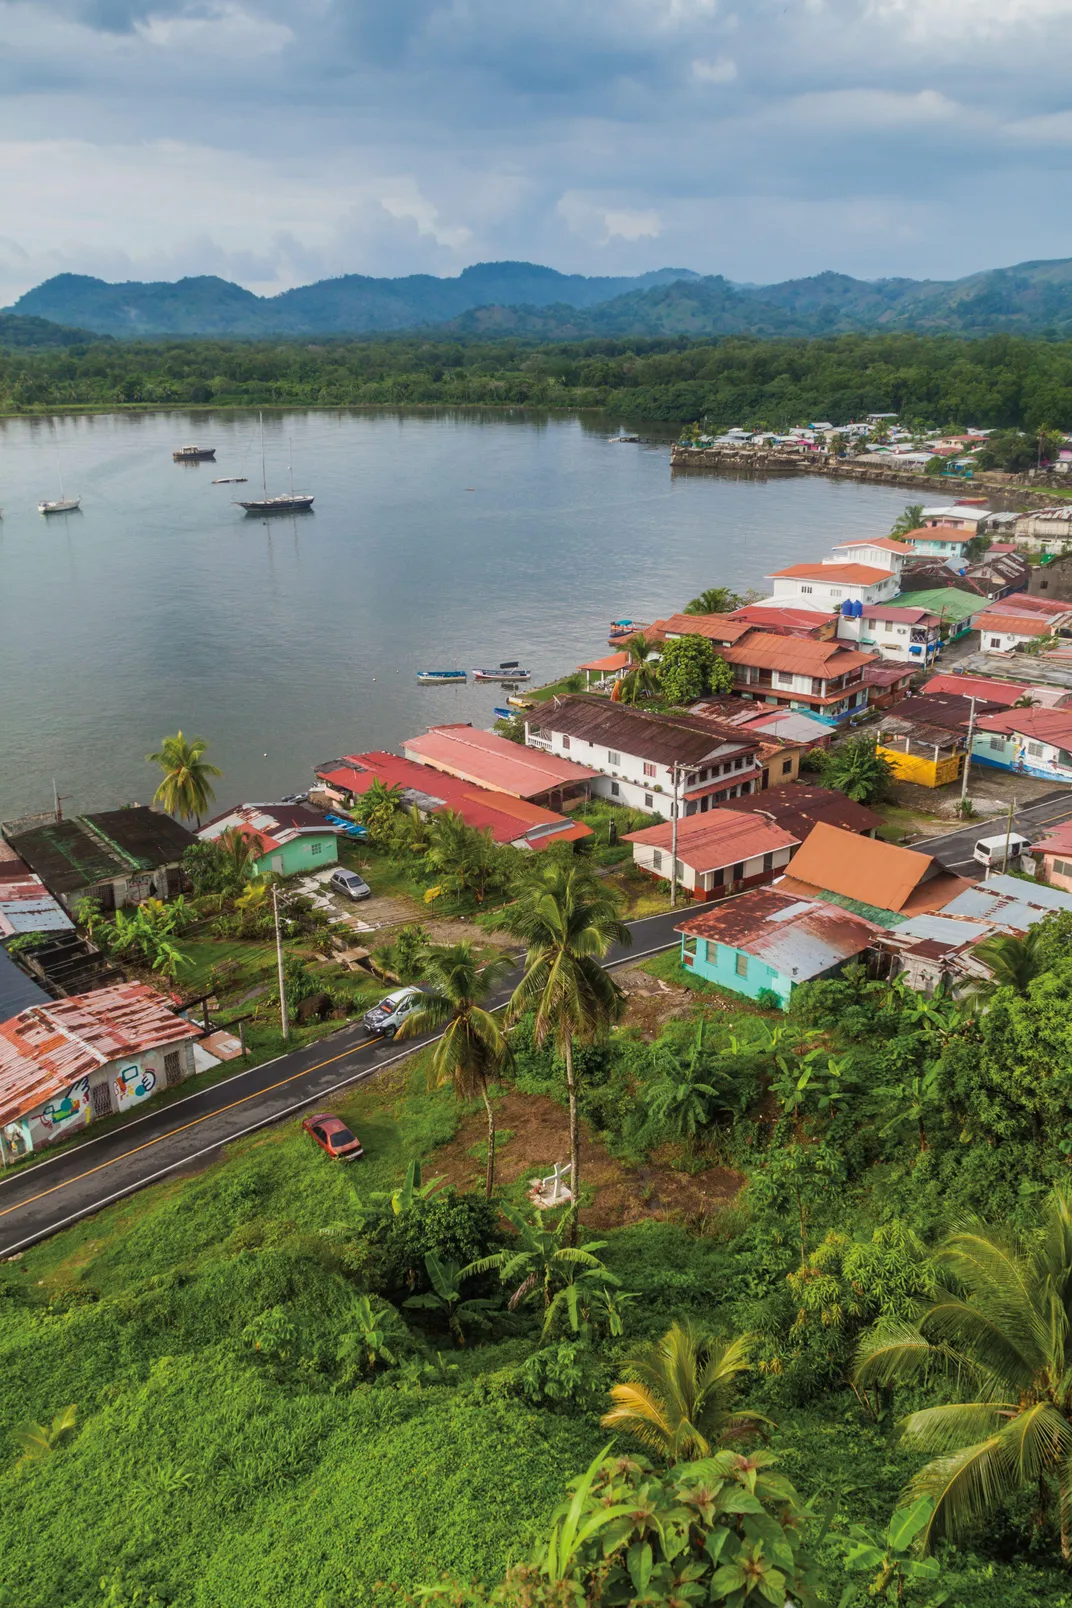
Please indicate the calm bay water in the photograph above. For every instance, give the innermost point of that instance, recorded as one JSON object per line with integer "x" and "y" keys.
{"x": 436, "y": 541}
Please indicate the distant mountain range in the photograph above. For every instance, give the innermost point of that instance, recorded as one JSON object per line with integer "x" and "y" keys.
{"x": 524, "y": 299}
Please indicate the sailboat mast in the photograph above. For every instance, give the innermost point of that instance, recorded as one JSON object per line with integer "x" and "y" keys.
{"x": 264, "y": 474}
{"x": 290, "y": 453}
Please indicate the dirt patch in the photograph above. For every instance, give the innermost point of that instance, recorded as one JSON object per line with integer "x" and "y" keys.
{"x": 539, "y": 1136}
{"x": 991, "y": 791}
{"x": 651, "y": 1001}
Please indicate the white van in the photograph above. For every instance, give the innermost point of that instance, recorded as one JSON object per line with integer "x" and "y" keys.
{"x": 995, "y": 852}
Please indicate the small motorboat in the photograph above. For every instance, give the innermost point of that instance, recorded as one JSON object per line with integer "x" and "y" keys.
{"x": 503, "y": 714}
{"x": 193, "y": 454}
{"x": 521, "y": 703}
{"x": 614, "y": 440}
{"x": 503, "y": 673}
{"x": 231, "y": 480}
{"x": 62, "y": 505}
{"x": 435, "y": 678}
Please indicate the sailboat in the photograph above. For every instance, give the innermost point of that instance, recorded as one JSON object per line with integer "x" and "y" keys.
{"x": 294, "y": 502}
{"x": 62, "y": 504}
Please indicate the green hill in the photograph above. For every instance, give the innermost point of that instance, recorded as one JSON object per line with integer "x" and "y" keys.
{"x": 17, "y": 330}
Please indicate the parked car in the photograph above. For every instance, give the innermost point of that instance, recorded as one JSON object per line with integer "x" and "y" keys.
{"x": 387, "y": 1017}
{"x": 349, "y": 884}
{"x": 334, "y": 1137}
{"x": 996, "y": 851}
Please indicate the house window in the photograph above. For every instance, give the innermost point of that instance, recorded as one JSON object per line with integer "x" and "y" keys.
{"x": 738, "y": 871}
{"x": 742, "y": 965}
{"x": 657, "y": 860}
{"x": 785, "y": 678}
{"x": 995, "y": 642}
{"x": 1036, "y": 750}
{"x": 1063, "y": 868}
{"x": 998, "y": 743}
{"x": 613, "y": 758}
{"x": 172, "y": 1068}
{"x": 316, "y": 848}
{"x": 768, "y": 862}
{"x": 615, "y": 790}
{"x": 835, "y": 591}
{"x": 649, "y": 768}
{"x": 787, "y": 766}
{"x": 649, "y": 802}
{"x": 718, "y": 877}
{"x": 805, "y": 588}
{"x": 565, "y": 742}
{"x": 738, "y": 762}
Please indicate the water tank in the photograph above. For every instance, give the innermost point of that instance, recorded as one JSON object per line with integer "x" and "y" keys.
{"x": 857, "y": 611}
{"x": 846, "y": 609}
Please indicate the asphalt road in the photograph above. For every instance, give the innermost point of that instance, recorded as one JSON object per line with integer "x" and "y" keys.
{"x": 954, "y": 850}
{"x": 37, "y": 1201}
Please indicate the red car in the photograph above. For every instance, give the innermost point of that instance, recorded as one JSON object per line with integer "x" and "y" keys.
{"x": 334, "y": 1137}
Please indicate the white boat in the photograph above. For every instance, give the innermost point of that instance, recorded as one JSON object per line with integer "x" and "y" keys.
{"x": 231, "y": 480}
{"x": 294, "y": 502}
{"x": 62, "y": 505}
{"x": 440, "y": 677}
{"x": 502, "y": 674}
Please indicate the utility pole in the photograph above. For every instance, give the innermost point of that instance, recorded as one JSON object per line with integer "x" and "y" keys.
{"x": 967, "y": 759}
{"x": 675, "y": 767}
{"x": 284, "y": 1020}
{"x": 1008, "y": 835}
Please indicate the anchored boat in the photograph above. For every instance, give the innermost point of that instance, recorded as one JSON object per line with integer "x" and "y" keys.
{"x": 294, "y": 502}
{"x": 62, "y": 505}
{"x": 436, "y": 677}
{"x": 193, "y": 454}
{"x": 508, "y": 671}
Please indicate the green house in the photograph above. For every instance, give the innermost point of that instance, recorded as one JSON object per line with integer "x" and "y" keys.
{"x": 295, "y": 838}
{"x": 768, "y": 942}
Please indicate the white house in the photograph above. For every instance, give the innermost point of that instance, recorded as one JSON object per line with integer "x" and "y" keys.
{"x": 880, "y": 552}
{"x": 967, "y": 515}
{"x": 1035, "y": 741}
{"x": 646, "y": 760}
{"x": 898, "y": 633}
{"x": 717, "y": 854}
{"x": 1016, "y": 621}
{"x": 950, "y": 542}
{"x": 826, "y": 587}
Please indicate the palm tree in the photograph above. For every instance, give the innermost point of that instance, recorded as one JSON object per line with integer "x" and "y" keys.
{"x": 378, "y": 806}
{"x": 242, "y": 851}
{"x": 540, "y": 1267}
{"x": 677, "y": 1395}
{"x": 185, "y": 789}
{"x": 1000, "y": 1327}
{"x": 1012, "y": 962}
{"x": 568, "y": 921}
{"x": 716, "y": 600}
{"x": 907, "y": 521}
{"x": 642, "y": 677}
{"x": 473, "y": 1049}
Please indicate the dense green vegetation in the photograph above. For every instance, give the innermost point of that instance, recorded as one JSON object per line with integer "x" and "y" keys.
{"x": 1006, "y": 382}
{"x": 283, "y": 1383}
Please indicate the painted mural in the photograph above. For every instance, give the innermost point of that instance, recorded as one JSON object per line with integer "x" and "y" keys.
{"x": 132, "y": 1085}
{"x": 66, "y": 1110}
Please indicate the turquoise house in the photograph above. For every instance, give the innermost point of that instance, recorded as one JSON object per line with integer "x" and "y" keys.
{"x": 767, "y": 941}
{"x": 294, "y": 838}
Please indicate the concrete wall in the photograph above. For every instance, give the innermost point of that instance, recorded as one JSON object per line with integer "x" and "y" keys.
{"x": 711, "y": 884}
{"x": 130, "y": 1080}
{"x": 1055, "y": 877}
{"x": 918, "y": 768}
{"x": 312, "y": 851}
{"x": 733, "y": 969}
{"x": 1020, "y": 754}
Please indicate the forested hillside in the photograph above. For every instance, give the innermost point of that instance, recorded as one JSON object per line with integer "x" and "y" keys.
{"x": 1001, "y": 381}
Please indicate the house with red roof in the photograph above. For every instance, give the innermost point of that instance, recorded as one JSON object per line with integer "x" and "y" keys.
{"x": 783, "y": 621}
{"x": 1037, "y": 742}
{"x": 1014, "y": 622}
{"x": 881, "y": 552}
{"x": 487, "y": 760}
{"x": 827, "y": 586}
{"x": 71, "y": 1061}
{"x": 1054, "y": 851}
{"x": 290, "y": 838}
{"x": 718, "y": 853}
{"x": 825, "y": 678}
{"x": 516, "y": 821}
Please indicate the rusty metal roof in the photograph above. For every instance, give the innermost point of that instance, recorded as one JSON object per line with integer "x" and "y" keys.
{"x": 666, "y": 739}
{"x": 800, "y": 938}
{"x": 800, "y": 655}
{"x": 716, "y": 838}
{"x": 45, "y": 1049}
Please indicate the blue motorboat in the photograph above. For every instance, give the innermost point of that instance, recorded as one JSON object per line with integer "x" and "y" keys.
{"x": 436, "y": 677}
{"x": 503, "y": 714}
{"x": 352, "y": 829}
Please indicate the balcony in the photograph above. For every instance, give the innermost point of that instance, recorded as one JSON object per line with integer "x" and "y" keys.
{"x": 534, "y": 740}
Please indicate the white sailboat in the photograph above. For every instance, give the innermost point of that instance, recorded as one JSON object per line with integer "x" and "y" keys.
{"x": 62, "y": 504}
{"x": 296, "y": 502}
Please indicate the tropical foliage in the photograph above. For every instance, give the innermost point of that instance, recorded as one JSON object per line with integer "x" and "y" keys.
{"x": 677, "y": 1395}
{"x": 690, "y": 668}
{"x": 856, "y": 768}
{"x": 715, "y": 600}
{"x": 186, "y": 787}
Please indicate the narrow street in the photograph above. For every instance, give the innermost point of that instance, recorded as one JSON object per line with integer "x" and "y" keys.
{"x": 954, "y": 849}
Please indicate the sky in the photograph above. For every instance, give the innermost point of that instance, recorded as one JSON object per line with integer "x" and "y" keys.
{"x": 275, "y": 142}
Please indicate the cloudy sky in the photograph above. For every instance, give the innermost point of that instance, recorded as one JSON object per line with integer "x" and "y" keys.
{"x": 278, "y": 141}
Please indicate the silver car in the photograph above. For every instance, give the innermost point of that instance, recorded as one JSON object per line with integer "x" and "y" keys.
{"x": 387, "y": 1017}
{"x": 349, "y": 884}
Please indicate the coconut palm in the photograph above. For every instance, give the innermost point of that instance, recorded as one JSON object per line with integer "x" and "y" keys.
{"x": 677, "y": 1395}
{"x": 1013, "y": 962}
{"x": 242, "y": 851}
{"x": 642, "y": 677}
{"x": 716, "y": 600}
{"x": 1001, "y": 1328}
{"x": 185, "y": 789}
{"x": 568, "y": 921}
{"x": 907, "y": 521}
{"x": 473, "y": 1049}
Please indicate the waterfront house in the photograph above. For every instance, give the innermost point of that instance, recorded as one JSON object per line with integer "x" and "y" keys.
{"x": 1018, "y": 621}
{"x": 880, "y": 552}
{"x": 115, "y": 857}
{"x": 68, "y": 1062}
{"x": 718, "y": 853}
{"x": 533, "y": 772}
{"x": 797, "y": 808}
{"x": 1053, "y": 853}
{"x": 794, "y": 622}
{"x": 721, "y": 630}
{"x": 900, "y": 633}
{"x": 515, "y": 821}
{"x": 825, "y": 678}
{"x": 26, "y": 906}
{"x": 941, "y": 541}
{"x": 953, "y": 607}
{"x": 1037, "y": 742}
{"x": 647, "y": 760}
{"x": 290, "y": 838}
{"x": 768, "y": 942}
{"x": 870, "y": 873}
{"x": 611, "y": 668}
{"x": 967, "y": 513}
{"x": 826, "y": 586}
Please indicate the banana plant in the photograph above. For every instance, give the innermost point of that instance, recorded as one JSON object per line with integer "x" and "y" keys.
{"x": 446, "y": 1298}
{"x": 892, "y": 1557}
{"x": 572, "y": 1526}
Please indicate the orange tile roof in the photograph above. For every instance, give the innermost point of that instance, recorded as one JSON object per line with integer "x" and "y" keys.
{"x": 801, "y": 655}
{"x": 494, "y": 762}
{"x": 885, "y": 543}
{"x": 47, "y": 1048}
{"x": 613, "y": 661}
{"x": 877, "y": 873}
{"x": 716, "y": 838}
{"x": 852, "y": 574}
{"x": 715, "y": 627}
{"x": 940, "y": 533}
{"x": 1028, "y": 625}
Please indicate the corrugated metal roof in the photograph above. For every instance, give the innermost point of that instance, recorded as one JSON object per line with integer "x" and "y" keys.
{"x": 943, "y": 929}
{"x": 613, "y": 661}
{"x": 800, "y": 655}
{"x": 885, "y": 543}
{"x": 938, "y": 533}
{"x": 715, "y": 839}
{"x": 1023, "y": 625}
{"x": 800, "y": 938}
{"x": 715, "y": 627}
{"x": 46, "y": 1048}
{"x": 1009, "y": 902}
{"x": 665, "y": 739}
{"x": 148, "y": 837}
{"x": 17, "y": 991}
{"x": 494, "y": 762}
{"x": 861, "y": 867}
{"x": 1046, "y": 725}
{"x": 850, "y": 574}
{"x": 942, "y": 600}
{"x": 796, "y": 808}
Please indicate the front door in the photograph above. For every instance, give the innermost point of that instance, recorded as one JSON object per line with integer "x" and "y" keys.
{"x": 101, "y": 1096}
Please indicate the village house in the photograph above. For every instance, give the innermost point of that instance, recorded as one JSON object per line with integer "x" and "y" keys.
{"x": 825, "y": 678}
{"x": 1008, "y": 904}
{"x": 826, "y": 586}
{"x": 290, "y": 838}
{"x": 997, "y": 575}
{"x": 771, "y": 723}
{"x": 900, "y": 633}
{"x": 69, "y": 1062}
{"x": 648, "y": 760}
{"x": 941, "y": 541}
{"x": 1016, "y": 621}
{"x": 1053, "y": 853}
{"x": 611, "y": 668}
{"x": 1001, "y": 693}
{"x": 767, "y": 942}
{"x": 787, "y": 621}
{"x": 923, "y": 739}
{"x": 1046, "y": 530}
{"x": 718, "y": 853}
{"x": 954, "y": 608}
{"x": 1052, "y": 576}
{"x": 797, "y": 808}
{"x": 880, "y": 552}
{"x": 882, "y": 879}
{"x": 1037, "y": 742}
{"x": 26, "y": 906}
{"x": 887, "y": 683}
{"x": 967, "y": 513}
{"x": 510, "y": 820}
{"x": 493, "y": 762}
{"x": 933, "y": 953}
{"x": 721, "y": 630}
{"x": 115, "y": 857}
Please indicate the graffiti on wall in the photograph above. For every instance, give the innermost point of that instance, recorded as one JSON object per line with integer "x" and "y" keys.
{"x": 66, "y": 1108}
{"x": 132, "y": 1084}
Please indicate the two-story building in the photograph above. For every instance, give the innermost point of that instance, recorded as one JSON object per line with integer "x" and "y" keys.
{"x": 880, "y": 552}
{"x": 941, "y": 541}
{"x": 647, "y": 760}
{"x": 967, "y": 513}
{"x": 718, "y": 854}
{"x": 1046, "y": 530}
{"x": 826, "y": 586}
{"x": 721, "y": 630}
{"x": 897, "y": 632}
{"x": 1014, "y": 622}
{"x": 823, "y": 677}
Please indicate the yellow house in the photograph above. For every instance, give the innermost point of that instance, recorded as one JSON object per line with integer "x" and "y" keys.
{"x": 930, "y": 756}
